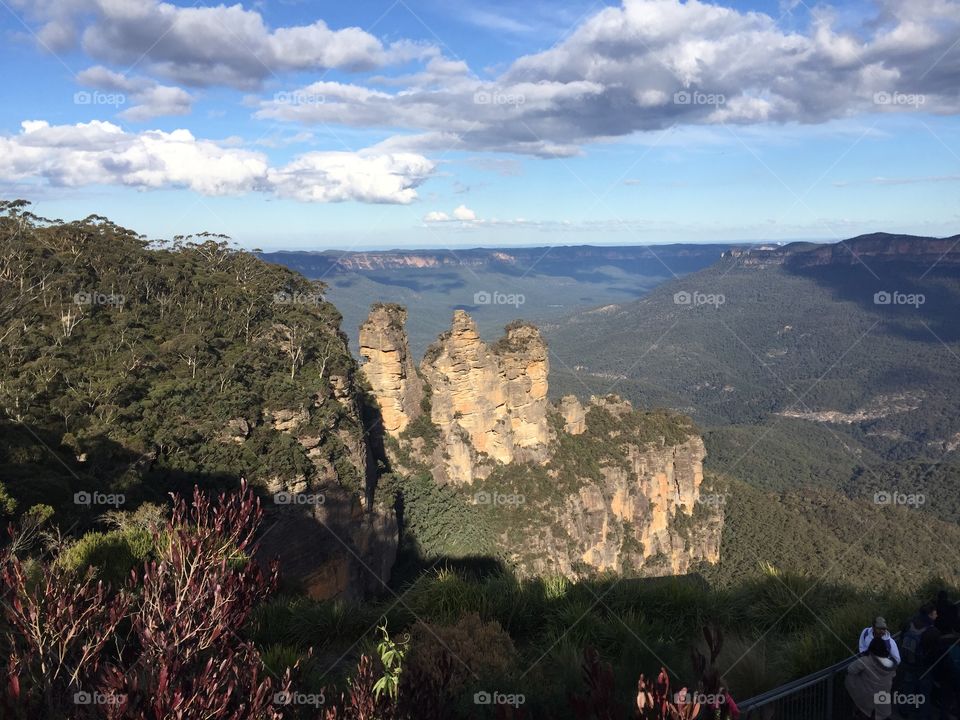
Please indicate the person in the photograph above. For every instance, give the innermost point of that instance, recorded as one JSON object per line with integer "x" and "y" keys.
{"x": 869, "y": 679}
{"x": 879, "y": 629}
{"x": 946, "y": 613}
{"x": 918, "y": 649}
{"x": 949, "y": 652}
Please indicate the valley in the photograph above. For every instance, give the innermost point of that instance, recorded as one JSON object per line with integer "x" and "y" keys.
{"x": 618, "y": 477}
{"x": 538, "y": 284}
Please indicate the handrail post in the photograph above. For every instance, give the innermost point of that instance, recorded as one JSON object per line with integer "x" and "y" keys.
{"x": 831, "y": 681}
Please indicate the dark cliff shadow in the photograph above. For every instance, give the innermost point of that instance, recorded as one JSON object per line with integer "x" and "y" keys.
{"x": 39, "y": 466}
{"x": 904, "y": 297}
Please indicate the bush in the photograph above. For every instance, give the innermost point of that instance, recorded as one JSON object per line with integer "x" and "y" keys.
{"x": 112, "y": 555}
{"x": 472, "y": 648}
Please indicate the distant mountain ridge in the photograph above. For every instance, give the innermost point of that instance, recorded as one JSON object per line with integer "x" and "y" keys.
{"x": 524, "y": 259}
{"x": 495, "y": 285}
{"x": 882, "y": 247}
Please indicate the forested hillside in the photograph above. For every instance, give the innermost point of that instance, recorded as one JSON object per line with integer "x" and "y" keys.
{"x": 805, "y": 364}
{"x": 137, "y": 368}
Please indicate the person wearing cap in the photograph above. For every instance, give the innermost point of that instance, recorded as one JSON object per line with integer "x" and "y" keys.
{"x": 879, "y": 630}
{"x": 869, "y": 679}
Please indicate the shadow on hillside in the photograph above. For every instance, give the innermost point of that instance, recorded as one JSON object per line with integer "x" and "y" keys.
{"x": 82, "y": 481}
{"x": 938, "y": 296}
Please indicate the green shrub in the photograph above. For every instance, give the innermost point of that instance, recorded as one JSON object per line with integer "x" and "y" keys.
{"x": 478, "y": 650}
{"x": 112, "y": 554}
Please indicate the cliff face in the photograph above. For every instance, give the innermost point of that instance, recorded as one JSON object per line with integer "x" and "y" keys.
{"x": 640, "y": 513}
{"x": 389, "y": 368}
{"x": 574, "y": 416}
{"x": 878, "y": 247}
{"x": 632, "y": 519}
{"x": 489, "y": 403}
{"x": 328, "y": 534}
{"x": 583, "y": 489}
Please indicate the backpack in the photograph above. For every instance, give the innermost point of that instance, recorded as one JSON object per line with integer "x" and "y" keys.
{"x": 911, "y": 650}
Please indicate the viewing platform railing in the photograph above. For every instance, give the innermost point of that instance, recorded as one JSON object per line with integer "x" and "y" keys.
{"x": 818, "y": 696}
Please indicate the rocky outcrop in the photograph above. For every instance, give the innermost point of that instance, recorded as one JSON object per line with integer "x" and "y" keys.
{"x": 328, "y": 544}
{"x": 323, "y": 525}
{"x": 625, "y": 496}
{"x": 643, "y": 516}
{"x": 389, "y": 368}
{"x": 489, "y": 402}
{"x": 574, "y": 416}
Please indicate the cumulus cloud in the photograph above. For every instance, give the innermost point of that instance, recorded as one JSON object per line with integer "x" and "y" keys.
{"x": 653, "y": 64}
{"x": 461, "y": 214}
{"x": 337, "y": 176}
{"x": 149, "y": 99}
{"x": 201, "y": 46}
{"x": 464, "y": 213}
{"x": 101, "y": 153}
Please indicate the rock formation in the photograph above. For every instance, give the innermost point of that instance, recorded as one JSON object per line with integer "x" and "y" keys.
{"x": 634, "y": 506}
{"x": 323, "y": 526}
{"x": 489, "y": 402}
{"x": 630, "y": 519}
{"x": 639, "y": 513}
{"x": 389, "y": 368}
{"x": 574, "y": 416}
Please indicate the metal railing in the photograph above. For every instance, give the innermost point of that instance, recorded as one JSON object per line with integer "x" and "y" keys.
{"x": 818, "y": 696}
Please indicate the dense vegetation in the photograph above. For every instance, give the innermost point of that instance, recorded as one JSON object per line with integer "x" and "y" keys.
{"x": 129, "y": 368}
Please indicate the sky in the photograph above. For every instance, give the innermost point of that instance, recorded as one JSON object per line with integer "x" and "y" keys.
{"x": 312, "y": 124}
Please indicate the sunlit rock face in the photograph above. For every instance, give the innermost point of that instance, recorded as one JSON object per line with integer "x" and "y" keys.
{"x": 489, "y": 401}
{"x": 488, "y": 408}
{"x": 389, "y": 368}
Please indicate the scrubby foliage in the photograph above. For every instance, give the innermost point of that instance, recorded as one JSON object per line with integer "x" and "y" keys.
{"x": 471, "y": 647}
{"x": 124, "y": 361}
{"x": 635, "y": 625}
{"x": 163, "y": 645}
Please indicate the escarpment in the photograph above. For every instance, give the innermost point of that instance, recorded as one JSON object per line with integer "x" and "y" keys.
{"x": 574, "y": 488}
{"x": 325, "y": 529}
{"x": 489, "y": 402}
{"x": 389, "y": 368}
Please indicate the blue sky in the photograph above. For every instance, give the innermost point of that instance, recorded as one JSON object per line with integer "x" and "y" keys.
{"x": 294, "y": 124}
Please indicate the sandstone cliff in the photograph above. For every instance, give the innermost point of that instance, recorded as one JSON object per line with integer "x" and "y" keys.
{"x": 874, "y": 248}
{"x": 324, "y": 527}
{"x": 489, "y": 402}
{"x": 624, "y": 496}
{"x": 564, "y": 489}
{"x": 389, "y": 368}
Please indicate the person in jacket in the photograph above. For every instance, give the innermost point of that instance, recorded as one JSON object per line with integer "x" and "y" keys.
{"x": 869, "y": 679}
{"x": 919, "y": 642}
{"x": 879, "y": 629}
{"x": 946, "y": 613}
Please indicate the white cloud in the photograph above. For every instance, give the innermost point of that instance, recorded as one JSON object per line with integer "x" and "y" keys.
{"x": 464, "y": 213}
{"x": 337, "y": 176}
{"x": 101, "y": 153}
{"x": 653, "y": 64}
{"x": 461, "y": 214}
{"x": 149, "y": 99}
{"x": 203, "y": 46}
